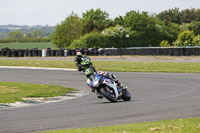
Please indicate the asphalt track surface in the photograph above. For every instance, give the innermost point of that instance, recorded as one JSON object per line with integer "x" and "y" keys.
{"x": 156, "y": 96}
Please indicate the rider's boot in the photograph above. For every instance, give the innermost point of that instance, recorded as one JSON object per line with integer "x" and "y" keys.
{"x": 99, "y": 95}
{"x": 92, "y": 90}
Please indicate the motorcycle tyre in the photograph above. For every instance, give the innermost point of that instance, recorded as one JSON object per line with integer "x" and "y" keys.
{"x": 126, "y": 97}
{"x": 103, "y": 92}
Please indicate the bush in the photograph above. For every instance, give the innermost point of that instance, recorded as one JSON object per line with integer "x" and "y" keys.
{"x": 185, "y": 39}
{"x": 196, "y": 40}
{"x": 117, "y": 36}
{"x": 91, "y": 40}
{"x": 164, "y": 43}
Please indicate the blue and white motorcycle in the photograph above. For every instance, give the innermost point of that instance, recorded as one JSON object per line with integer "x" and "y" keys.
{"x": 108, "y": 88}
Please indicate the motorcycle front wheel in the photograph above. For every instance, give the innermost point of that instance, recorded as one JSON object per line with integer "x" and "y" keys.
{"x": 126, "y": 96}
{"x": 106, "y": 92}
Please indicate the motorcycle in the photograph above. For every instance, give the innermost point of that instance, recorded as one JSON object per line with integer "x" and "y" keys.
{"x": 86, "y": 63}
{"x": 107, "y": 88}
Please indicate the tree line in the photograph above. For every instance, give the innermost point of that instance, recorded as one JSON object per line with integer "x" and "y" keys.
{"x": 18, "y": 36}
{"x": 24, "y": 33}
{"x": 173, "y": 27}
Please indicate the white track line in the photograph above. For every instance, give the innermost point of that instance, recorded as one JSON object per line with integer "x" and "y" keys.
{"x": 37, "y": 68}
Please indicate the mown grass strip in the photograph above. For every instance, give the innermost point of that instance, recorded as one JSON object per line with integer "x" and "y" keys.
{"x": 189, "y": 125}
{"x": 125, "y": 66}
{"x": 11, "y": 92}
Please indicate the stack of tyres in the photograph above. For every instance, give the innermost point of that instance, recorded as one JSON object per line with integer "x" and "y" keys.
{"x": 14, "y": 53}
{"x": 35, "y": 52}
{"x": 82, "y": 50}
{"x": 30, "y": 52}
{"x": 57, "y": 52}
{"x": 8, "y": 53}
{"x": 87, "y": 52}
{"x": 53, "y": 52}
{"x": 39, "y": 52}
{"x": 73, "y": 52}
{"x": 26, "y": 52}
{"x": 91, "y": 51}
{"x": 96, "y": 52}
{"x": 48, "y": 52}
{"x": 4, "y": 51}
{"x": 61, "y": 52}
{"x": 21, "y": 52}
{"x": 69, "y": 52}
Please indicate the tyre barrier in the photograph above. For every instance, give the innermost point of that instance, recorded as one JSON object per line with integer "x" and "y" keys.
{"x": 154, "y": 51}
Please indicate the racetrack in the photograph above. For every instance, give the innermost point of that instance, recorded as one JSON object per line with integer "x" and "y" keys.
{"x": 157, "y": 96}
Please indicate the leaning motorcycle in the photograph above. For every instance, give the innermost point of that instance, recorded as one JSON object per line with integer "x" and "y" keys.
{"x": 87, "y": 63}
{"x": 109, "y": 89}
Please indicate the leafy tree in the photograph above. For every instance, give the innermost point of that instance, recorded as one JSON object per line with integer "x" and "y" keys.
{"x": 180, "y": 17}
{"x": 145, "y": 25}
{"x": 95, "y": 20}
{"x": 119, "y": 20}
{"x": 15, "y": 35}
{"x": 67, "y": 31}
{"x": 193, "y": 26}
{"x": 37, "y": 34}
{"x": 168, "y": 31}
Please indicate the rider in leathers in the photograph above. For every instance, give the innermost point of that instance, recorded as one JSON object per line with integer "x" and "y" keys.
{"x": 78, "y": 59}
{"x": 107, "y": 75}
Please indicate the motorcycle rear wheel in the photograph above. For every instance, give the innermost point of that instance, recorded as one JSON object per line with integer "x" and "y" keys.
{"x": 107, "y": 95}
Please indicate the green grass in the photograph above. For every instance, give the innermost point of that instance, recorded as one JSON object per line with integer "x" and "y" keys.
{"x": 12, "y": 92}
{"x": 189, "y": 125}
{"x": 170, "y": 67}
{"x": 39, "y": 45}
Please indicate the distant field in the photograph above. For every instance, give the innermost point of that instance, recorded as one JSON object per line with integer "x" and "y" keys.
{"x": 39, "y": 45}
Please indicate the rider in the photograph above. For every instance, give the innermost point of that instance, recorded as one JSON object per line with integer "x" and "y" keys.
{"x": 90, "y": 74}
{"x": 78, "y": 59}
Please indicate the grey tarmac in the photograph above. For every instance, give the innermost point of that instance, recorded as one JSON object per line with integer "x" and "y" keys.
{"x": 156, "y": 96}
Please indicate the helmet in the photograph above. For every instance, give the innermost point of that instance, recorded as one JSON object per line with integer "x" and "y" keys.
{"x": 89, "y": 72}
{"x": 79, "y": 55}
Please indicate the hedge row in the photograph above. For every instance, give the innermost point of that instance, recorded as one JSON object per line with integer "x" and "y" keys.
{"x": 24, "y": 40}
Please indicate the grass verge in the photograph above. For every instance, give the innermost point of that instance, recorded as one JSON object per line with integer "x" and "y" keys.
{"x": 125, "y": 66}
{"x": 11, "y": 92}
{"x": 189, "y": 125}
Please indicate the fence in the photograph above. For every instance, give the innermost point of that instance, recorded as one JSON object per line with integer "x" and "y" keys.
{"x": 179, "y": 51}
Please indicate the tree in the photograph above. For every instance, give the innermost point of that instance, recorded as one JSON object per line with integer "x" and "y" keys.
{"x": 117, "y": 36}
{"x": 144, "y": 25}
{"x": 180, "y": 17}
{"x": 193, "y": 26}
{"x": 119, "y": 20}
{"x": 67, "y": 31}
{"x": 95, "y": 20}
{"x": 14, "y": 35}
{"x": 168, "y": 31}
{"x": 37, "y": 34}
